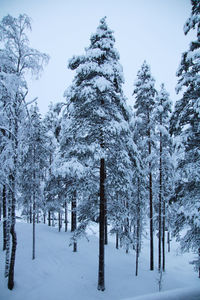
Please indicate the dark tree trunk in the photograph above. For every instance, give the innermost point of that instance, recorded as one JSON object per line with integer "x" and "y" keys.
{"x": 66, "y": 221}
{"x": 199, "y": 265}
{"x": 137, "y": 230}
{"x": 4, "y": 217}
{"x": 73, "y": 219}
{"x": 59, "y": 221}
{"x": 14, "y": 243}
{"x": 106, "y": 225}
{"x": 38, "y": 219}
{"x": 33, "y": 254}
{"x": 44, "y": 217}
{"x": 101, "y": 279}
{"x": 117, "y": 240}
{"x": 168, "y": 240}
{"x": 30, "y": 213}
{"x": 160, "y": 207}
{"x": 49, "y": 218}
{"x": 12, "y": 259}
{"x": 151, "y": 207}
{"x": 163, "y": 239}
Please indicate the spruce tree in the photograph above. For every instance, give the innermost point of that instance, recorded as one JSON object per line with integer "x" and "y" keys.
{"x": 165, "y": 166}
{"x": 185, "y": 127}
{"x": 95, "y": 119}
{"x": 144, "y": 93}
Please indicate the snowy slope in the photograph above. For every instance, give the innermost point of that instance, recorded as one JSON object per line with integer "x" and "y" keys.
{"x": 59, "y": 274}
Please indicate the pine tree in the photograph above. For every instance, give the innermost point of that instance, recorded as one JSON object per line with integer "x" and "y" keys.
{"x": 95, "y": 118}
{"x": 185, "y": 127}
{"x": 144, "y": 93}
{"x": 162, "y": 115}
{"x": 33, "y": 164}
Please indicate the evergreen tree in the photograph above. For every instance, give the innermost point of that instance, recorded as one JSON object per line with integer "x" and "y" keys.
{"x": 185, "y": 127}
{"x": 17, "y": 59}
{"x": 33, "y": 164}
{"x": 162, "y": 115}
{"x": 144, "y": 93}
{"x": 95, "y": 119}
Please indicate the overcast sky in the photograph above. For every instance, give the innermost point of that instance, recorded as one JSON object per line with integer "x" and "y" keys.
{"x": 143, "y": 29}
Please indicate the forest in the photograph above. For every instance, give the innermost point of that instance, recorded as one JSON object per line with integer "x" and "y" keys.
{"x": 94, "y": 159}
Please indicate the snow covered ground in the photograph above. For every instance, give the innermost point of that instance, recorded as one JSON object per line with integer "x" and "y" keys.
{"x": 59, "y": 274}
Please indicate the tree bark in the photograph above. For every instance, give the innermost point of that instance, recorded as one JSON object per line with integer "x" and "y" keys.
{"x": 14, "y": 241}
{"x": 160, "y": 207}
{"x": 33, "y": 250}
{"x": 168, "y": 240}
{"x": 101, "y": 279}
{"x": 117, "y": 240}
{"x": 138, "y": 231}
{"x": 106, "y": 225}
{"x": 49, "y": 218}
{"x": 73, "y": 219}
{"x": 4, "y": 217}
{"x": 151, "y": 210}
{"x": 66, "y": 221}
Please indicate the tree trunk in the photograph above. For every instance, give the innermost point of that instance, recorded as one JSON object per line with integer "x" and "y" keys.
{"x": 168, "y": 240}
{"x": 7, "y": 258}
{"x": 101, "y": 283}
{"x": 137, "y": 231}
{"x": 73, "y": 219}
{"x": 14, "y": 240}
{"x": 30, "y": 213}
{"x": 106, "y": 225}
{"x": 151, "y": 209}
{"x": 199, "y": 265}
{"x": 160, "y": 207}
{"x": 66, "y": 221}
{"x": 33, "y": 250}
{"x": 163, "y": 238}
{"x": 44, "y": 217}
{"x": 12, "y": 259}
{"x": 117, "y": 240}
{"x": 4, "y": 217}
{"x": 49, "y": 218}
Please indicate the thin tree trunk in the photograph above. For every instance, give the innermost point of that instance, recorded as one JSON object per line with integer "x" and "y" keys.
{"x": 160, "y": 207}
{"x": 14, "y": 240}
{"x": 7, "y": 258}
{"x": 33, "y": 250}
{"x": 163, "y": 239}
{"x": 106, "y": 225}
{"x": 44, "y": 217}
{"x": 73, "y": 220}
{"x": 4, "y": 217}
{"x": 101, "y": 279}
{"x": 117, "y": 240}
{"x": 199, "y": 265}
{"x": 151, "y": 208}
{"x": 31, "y": 214}
{"x": 168, "y": 240}
{"x": 138, "y": 231}
{"x": 66, "y": 221}
{"x": 49, "y": 218}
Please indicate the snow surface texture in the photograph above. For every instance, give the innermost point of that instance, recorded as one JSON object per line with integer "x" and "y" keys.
{"x": 58, "y": 273}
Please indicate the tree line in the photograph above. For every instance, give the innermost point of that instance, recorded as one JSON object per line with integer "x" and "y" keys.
{"x": 94, "y": 156}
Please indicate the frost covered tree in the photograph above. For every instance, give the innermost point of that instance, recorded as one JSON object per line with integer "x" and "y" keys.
{"x": 165, "y": 165}
{"x": 144, "y": 93}
{"x": 16, "y": 59}
{"x": 186, "y": 129}
{"x": 51, "y": 185}
{"x": 33, "y": 164}
{"x": 96, "y": 118}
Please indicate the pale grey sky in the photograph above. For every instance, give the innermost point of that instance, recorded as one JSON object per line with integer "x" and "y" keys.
{"x": 143, "y": 29}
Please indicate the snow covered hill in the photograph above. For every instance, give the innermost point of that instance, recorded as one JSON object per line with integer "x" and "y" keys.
{"x": 59, "y": 274}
